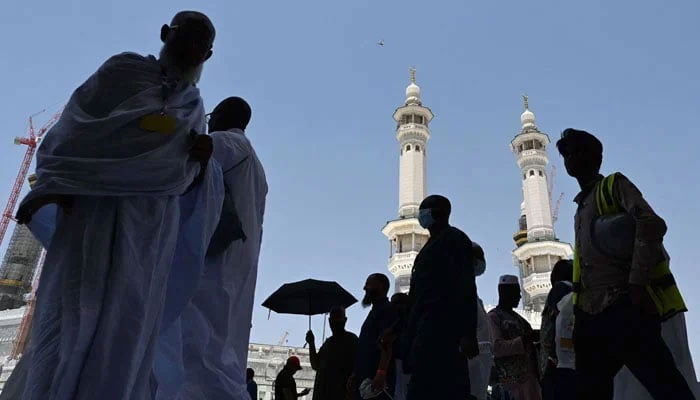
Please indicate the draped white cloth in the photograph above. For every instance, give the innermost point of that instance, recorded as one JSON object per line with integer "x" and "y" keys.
{"x": 675, "y": 334}
{"x": 215, "y": 325}
{"x": 103, "y": 285}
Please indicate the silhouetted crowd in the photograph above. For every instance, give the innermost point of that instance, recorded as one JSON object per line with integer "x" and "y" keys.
{"x": 151, "y": 212}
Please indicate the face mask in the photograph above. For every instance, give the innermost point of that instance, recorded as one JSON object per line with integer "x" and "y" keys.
{"x": 479, "y": 267}
{"x": 425, "y": 218}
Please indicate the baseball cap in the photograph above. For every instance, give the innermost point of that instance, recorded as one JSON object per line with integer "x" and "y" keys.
{"x": 294, "y": 361}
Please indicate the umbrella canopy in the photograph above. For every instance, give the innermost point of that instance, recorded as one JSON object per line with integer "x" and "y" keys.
{"x": 309, "y": 297}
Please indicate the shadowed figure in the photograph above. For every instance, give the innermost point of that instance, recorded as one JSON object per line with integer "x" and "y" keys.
{"x": 615, "y": 315}
{"x": 513, "y": 344}
{"x": 285, "y": 385}
{"x": 440, "y": 334}
{"x": 335, "y": 360}
{"x": 129, "y": 143}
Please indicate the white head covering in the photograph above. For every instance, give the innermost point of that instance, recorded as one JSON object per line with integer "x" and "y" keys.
{"x": 508, "y": 280}
{"x": 479, "y": 264}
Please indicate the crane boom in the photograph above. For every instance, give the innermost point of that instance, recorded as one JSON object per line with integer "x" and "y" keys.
{"x": 31, "y": 142}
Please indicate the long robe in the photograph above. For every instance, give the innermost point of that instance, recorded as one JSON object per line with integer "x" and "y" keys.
{"x": 442, "y": 287}
{"x": 214, "y": 329}
{"x": 101, "y": 292}
{"x": 675, "y": 334}
{"x": 514, "y": 356}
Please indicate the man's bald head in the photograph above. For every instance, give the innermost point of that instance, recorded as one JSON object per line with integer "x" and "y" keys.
{"x": 233, "y": 112}
{"x": 188, "y": 39}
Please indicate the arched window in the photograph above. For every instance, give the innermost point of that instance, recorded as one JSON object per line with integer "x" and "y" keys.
{"x": 524, "y": 176}
{"x": 417, "y": 148}
{"x": 541, "y": 174}
{"x": 532, "y": 172}
{"x": 408, "y": 147}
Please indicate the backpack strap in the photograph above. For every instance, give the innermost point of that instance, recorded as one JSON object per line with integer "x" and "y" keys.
{"x": 605, "y": 199}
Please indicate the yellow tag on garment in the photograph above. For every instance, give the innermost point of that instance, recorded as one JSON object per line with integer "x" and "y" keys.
{"x": 160, "y": 123}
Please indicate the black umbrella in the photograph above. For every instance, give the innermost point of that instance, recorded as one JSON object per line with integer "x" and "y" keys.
{"x": 309, "y": 297}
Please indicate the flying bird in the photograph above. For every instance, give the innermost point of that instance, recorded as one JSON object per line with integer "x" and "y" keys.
{"x": 381, "y": 43}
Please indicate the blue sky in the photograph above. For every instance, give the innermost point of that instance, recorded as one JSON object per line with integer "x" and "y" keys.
{"x": 323, "y": 94}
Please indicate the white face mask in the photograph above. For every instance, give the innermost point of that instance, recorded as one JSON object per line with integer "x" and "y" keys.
{"x": 479, "y": 267}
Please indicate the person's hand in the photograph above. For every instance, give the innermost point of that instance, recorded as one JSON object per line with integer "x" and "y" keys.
{"x": 310, "y": 339}
{"x": 379, "y": 381}
{"x": 469, "y": 347}
{"x": 202, "y": 148}
{"x": 305, "y": 392}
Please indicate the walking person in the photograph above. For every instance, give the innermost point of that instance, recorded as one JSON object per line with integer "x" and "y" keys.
{"x": 620, "y": 299}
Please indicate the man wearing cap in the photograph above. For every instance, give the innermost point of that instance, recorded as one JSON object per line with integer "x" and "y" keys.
{"x": 615, "y": 315}
{"x": 335, "y": 360}
{"x": 130, "y": 142}
{"x": 440, "y": 334}
{"x": 513, "y": 344}
{"x": 285, "y": 385}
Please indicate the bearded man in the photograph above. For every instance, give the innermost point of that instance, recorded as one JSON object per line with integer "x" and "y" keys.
{"x": 129, "y": 143}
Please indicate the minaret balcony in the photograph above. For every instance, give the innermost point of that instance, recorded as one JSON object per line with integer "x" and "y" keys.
{"x": 402, "y": 263}
{"x": 537, "y": 284}
{"x": 412, "y": 131}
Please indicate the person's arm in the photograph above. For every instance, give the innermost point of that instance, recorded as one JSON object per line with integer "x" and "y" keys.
{"x": 314, "y": 356}
{"x": 386, "y": 344}
{"x": 501, "y": 346}
{"x": 650, "y": 230}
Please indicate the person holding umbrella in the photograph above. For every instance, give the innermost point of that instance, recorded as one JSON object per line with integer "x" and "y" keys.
{"x": 335, "y": 359}
{"x": 285, "y": 385}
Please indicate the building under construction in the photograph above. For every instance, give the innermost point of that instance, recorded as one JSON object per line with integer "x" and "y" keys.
{"x": 18, "y": 268}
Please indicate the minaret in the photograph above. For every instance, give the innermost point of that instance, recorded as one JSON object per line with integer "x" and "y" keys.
{"x": 537, "y": 249}
{"x": 406, "y": 236}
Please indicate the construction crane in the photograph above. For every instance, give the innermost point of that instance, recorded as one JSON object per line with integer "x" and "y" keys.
{"x": 283, "y": 341}
{"x": 31, "y": 141}
{"x": 554, "y": 207}
{"x": 555, "y": 210}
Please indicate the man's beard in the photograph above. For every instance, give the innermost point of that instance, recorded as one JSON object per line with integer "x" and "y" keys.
{"x": 191, "y": 75}
{"x": 367, "y": 300}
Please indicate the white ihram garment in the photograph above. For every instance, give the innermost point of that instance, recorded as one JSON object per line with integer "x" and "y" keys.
{"x": 675, "y": 334}
{"x": 215, "y": 326}
{"x": 102, "y": 288}
{"x": 564, "y": 333}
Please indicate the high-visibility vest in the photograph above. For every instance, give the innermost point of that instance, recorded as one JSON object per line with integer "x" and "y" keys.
{"x": 662, "y": 286}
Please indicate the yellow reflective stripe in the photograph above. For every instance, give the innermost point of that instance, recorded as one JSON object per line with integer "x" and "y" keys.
{"x": 576, "y": 277}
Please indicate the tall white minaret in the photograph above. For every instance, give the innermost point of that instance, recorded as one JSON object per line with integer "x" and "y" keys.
{"x": 406, "y": 236}
{"x": 537, "y": 249}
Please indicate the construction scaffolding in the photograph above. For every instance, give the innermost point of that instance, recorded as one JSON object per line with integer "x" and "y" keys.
{"x": 18, "y": 266}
